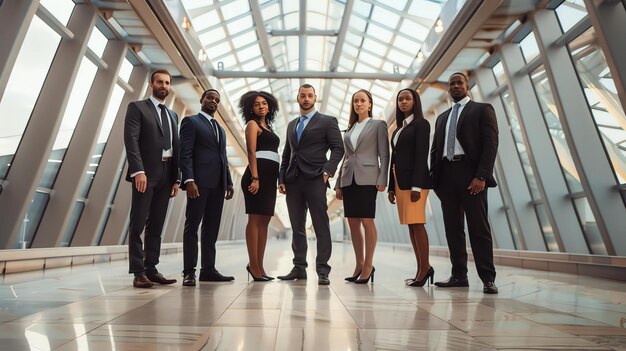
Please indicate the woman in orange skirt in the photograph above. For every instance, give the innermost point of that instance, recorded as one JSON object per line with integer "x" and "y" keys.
{"x": 409, "y": 178}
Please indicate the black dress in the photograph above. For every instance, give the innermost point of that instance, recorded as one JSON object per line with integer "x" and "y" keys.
{"x": 263, "y": 202}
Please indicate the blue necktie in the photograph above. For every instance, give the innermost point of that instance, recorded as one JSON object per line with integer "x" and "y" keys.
{"x": 452, "y": 131}
{"x": 300, "y": 127}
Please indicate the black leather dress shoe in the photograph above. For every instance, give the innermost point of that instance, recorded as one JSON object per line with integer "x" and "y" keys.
{"x": 140, "y": 281}
{"x": 490, "y": 288}
{"x": 189, "y": 279}
{"x": 295, "y": 273}
{"x": 214, "y": 276}
{"x": 453, "y": 282}
{"x": 323, "y": 280}
{"x": 157, "y": 277}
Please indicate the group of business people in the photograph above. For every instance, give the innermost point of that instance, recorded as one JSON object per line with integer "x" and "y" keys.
{"x": 462, "y": 157}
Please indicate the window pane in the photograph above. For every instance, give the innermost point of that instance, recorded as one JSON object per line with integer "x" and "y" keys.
{"x": 78, "y": 97}
{"x": 546, "y": 228}
{"x": 23, "y": 87}
{"x": 590, "y": 227}
{"x": 529, "y": 47}
{"x": 31, "y": 220}
{"x": 60, "y": 9}
{"x": 126, "y": 70}
{"x": 597, "y": 82}
{"x": 73, "y": 222}
{"x": 97, "y": 42}
{"x": 553, "y": 123}
{"x": 570, "y": 12}
{"x": 498, "y": 72}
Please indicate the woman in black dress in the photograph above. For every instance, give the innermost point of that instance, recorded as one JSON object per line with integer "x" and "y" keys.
{"x": 258, "y": 109}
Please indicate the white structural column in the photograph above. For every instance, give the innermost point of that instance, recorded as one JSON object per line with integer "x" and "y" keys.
{"x": 120, "y": 212}
{"x": 15, "y": 17}
{"x": 526, "y": 219}
{"x": 31, "y": 157}
{"x": 80, "y": 149}
{"x": 550, "y": 181}
{"x": 109, "y": 167}
{"x": 609, "y": 22}
{"x": 596, "y": 175}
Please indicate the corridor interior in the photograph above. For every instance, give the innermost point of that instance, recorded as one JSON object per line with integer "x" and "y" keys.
{"x": 95, "y": 307}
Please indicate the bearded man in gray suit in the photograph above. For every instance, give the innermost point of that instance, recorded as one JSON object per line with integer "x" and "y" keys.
{"x": 303, "y": 177}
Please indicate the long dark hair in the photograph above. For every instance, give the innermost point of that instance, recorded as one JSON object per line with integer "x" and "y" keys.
{"x": 247, "y": 101}
{"x": 354, "y": 117}
{"x": 417, "y": 108}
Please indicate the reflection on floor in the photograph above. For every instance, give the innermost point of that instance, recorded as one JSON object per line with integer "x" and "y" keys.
{"x": 96, "y": 308}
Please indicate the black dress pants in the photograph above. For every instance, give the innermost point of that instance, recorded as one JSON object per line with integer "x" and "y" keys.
{"x": 148, "y": 210}
{"x": 207, "y": 208}
{"x": 309, "y": 194}
{"x": 457, "y": 204}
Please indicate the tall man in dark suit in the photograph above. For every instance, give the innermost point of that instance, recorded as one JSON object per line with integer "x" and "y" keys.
{"x": 151, "y": 140}
{"x": 303, "y": 177}
{"x": 207, "y": 180}
{"x": 462, "y": 158}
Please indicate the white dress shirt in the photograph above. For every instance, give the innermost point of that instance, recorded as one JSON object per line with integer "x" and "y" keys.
{"x": 458, "y": 150}
{"x": 357, "y": 128}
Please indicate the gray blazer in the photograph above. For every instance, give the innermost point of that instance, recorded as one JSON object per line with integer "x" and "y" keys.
{"x": 368, "y": 160}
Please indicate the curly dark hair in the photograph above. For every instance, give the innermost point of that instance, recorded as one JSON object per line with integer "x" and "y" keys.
{"x": 354, "y": 117}
{"x": 417, "y": 107}
{"x": 247, "y": 101}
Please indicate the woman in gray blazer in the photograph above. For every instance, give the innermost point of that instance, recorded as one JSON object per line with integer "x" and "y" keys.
{"x": 362, "y": 175}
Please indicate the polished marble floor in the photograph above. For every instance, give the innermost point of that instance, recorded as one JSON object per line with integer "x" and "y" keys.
{"x": 95, "y": 308}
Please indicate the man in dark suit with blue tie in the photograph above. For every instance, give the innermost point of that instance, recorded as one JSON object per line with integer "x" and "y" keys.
{"x": 462, "y": 158}
{"x": 151, "y": 140}
{"x": 303, "y": 177}
{"x": 207, "y": 180}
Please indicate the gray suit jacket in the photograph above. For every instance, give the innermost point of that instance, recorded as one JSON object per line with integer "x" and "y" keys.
{"x": 368, "y": 160}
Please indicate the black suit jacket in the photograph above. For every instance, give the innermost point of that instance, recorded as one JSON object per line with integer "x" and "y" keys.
{"x": 308, "y": 157}
{"x": 477, "y": 132}
{"x": 143, "y": 137}
{"x": 410, "y": 156}
{"x": 202, "y": 157}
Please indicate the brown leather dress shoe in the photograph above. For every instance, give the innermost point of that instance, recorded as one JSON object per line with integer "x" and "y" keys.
{"x": 453, "y": 282}
{"x": 141, "y": 281}
{"x": 157, "y": 277}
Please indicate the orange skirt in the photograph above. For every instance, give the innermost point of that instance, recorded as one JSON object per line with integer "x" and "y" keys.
{"x": 410, "y": 212}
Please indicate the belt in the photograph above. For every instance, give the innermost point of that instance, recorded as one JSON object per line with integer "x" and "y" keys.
{"x": 455, "y": 158}
{"x": 166, "y": 159}
{"x": 268, "y": 155}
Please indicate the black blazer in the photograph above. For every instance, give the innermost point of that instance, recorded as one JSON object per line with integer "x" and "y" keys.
{"x": 143, "y": 137}
{"x": 410, "y": 156}
{"x": 477, "y": 132}
{"x": 202, "y": 157}
{"x": 308, "y": 157}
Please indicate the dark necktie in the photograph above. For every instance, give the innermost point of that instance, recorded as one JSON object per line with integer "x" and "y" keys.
{"x": 450, "y": 143}
{"x": 215, "y": 130}
{"x": 300, "y": 127}
{"x": 165, "y": 124}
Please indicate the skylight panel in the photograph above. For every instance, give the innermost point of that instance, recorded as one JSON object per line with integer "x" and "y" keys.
{"x": 244, "y": 39}
{"x": 234, "y": 9}
{"x": 248, "y": 53}
{"x": 212, "y": 36}
{"x": 381, "y": 15}
{"x": 271, "y": 11}
{"x": 239, "y": 25}
{"x": 379, "y": 32}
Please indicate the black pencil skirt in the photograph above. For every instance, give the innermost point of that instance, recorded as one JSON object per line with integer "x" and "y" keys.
{"x": 359, "y": 201}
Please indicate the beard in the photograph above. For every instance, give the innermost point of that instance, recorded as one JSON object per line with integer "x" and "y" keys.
{"x": 160, "y": 93}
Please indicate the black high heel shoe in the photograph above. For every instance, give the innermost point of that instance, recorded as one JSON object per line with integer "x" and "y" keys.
{"x": 256, "y": 279}
{"x": 365, "y": 281}
{"x": 268, "y": 277}
{"x": 430, "y": 274}
{"x": 352, "y": 279}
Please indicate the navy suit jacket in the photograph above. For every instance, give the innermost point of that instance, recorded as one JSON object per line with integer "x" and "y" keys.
{"x": 202, "y": 157}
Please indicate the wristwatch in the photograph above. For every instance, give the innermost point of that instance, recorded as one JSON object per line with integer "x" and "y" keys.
{"x": 482, "y": 179}
{"x": 326, "y": 174}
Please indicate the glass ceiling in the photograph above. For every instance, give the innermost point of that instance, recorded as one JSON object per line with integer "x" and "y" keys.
{"x": 261, "y": 37}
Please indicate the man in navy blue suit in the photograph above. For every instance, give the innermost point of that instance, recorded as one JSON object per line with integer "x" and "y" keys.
{"x": 207, "y": 180}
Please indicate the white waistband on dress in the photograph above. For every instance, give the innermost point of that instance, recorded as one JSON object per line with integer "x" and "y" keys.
{"x": 268, "y": 155}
